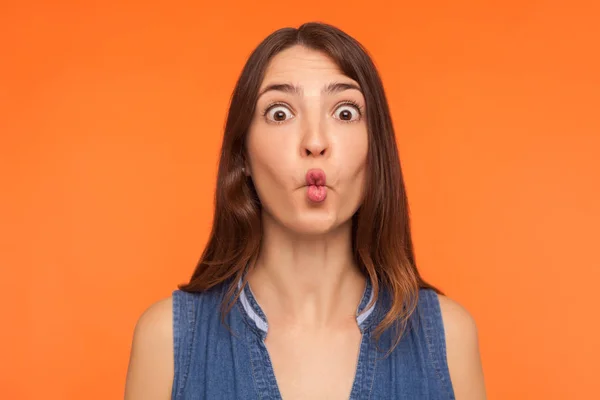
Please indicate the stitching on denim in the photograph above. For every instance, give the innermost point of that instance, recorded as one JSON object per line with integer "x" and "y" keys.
{"x": 176, "y": 347}
{"x": 188, "y": 308}
{"x": 254, "y": 316}
{"x": 248, "y": 320}
{"x": 428, "y": 329}
{"x": 253, "y": 303}
{"x": 358, "y": 377}
{"x": 361, "y": 319}
{"x": 271, "y": 372}
{"x": 256, "y": 385}
{"x": 429, "y": 334}
{"x": 373, "y": 377}
{"x": 442, "y": 345}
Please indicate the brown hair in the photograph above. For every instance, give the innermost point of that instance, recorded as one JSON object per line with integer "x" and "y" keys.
{"x": 381, "y": 238}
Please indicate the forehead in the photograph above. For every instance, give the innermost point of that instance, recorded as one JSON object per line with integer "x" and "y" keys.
{"x": 299, "y": 63}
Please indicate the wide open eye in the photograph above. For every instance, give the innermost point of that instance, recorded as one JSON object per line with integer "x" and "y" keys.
{"x": 278, "y": 113}
{"x": 348, "y": 112}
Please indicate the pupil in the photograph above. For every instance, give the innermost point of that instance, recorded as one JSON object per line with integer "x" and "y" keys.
{"x": 346, "y": 114}
{"x": 279, "y": 115}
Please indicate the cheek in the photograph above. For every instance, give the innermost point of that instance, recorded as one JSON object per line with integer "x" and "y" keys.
{"x": 269, "y": 156}
{"x": 354, "y": 168}
{"x": 355, "y": 152}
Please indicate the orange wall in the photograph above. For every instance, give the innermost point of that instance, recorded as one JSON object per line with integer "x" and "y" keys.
{"x": 111, "y": 118}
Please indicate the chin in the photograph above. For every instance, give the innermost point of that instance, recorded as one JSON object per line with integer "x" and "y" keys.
{"x": 317, "y": 225}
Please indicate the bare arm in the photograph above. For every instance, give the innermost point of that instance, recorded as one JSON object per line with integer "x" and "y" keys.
{"x": 150, "y": 372}
{"x": 462, "y": 350}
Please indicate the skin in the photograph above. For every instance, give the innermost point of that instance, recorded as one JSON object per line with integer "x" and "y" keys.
{"x": 304, "y": 240}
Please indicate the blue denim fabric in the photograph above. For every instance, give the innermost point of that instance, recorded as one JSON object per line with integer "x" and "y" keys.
{"x": 213, "y": 361}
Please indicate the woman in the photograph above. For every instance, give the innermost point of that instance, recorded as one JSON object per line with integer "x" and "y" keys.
{"x": 308, "y": 287}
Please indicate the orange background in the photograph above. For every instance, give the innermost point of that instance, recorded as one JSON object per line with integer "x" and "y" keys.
{"x": 111, "y": 117}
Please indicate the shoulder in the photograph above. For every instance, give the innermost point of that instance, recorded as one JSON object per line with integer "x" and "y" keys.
{"x": 458, "y": 322}
{"x": 462, "y": 350}
{"x": 150, "y": 371}
{"x": 155, "y": 324}
{"x": 157, "y": 318}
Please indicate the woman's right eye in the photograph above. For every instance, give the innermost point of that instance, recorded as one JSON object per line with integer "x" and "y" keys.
{"x": 278, "y": 114}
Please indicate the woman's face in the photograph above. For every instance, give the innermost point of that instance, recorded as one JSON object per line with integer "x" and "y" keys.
{"x": 292, "y": 132}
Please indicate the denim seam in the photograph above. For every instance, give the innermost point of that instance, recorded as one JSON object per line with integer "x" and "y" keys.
{"x": 249, "y": 321}
{"x": 252, "y": 365}
{"x": 429, "y": 334}
{"x": 176, "y": 346}
{"x": 361, "y": 365}
{"x": 442, "y": 344}
{"x": 191, "y": 326}
{"x": 249, "y": 295}
{"x": 373, "y": 373}
{"x": 270, "y": 370}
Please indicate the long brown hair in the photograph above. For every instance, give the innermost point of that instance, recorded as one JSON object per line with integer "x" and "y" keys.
{"x": 381, "y": 238}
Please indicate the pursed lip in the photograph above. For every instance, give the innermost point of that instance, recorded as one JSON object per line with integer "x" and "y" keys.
{"x": 316, "y": 176}
{"x": 305, "y": 185}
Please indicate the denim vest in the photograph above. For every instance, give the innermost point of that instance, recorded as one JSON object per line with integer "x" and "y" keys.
{"x": 214, "y": 361}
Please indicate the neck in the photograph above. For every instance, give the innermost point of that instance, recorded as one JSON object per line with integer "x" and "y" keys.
{"x": 307, "y": 280}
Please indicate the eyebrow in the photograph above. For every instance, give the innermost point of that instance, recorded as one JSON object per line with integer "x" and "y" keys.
{"x": 331, "y": 88}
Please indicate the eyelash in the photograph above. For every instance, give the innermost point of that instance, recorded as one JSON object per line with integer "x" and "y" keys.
{"x": 346, "y": 102}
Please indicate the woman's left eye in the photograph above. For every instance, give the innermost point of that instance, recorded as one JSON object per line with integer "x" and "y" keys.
{"x": 348, "y": 112}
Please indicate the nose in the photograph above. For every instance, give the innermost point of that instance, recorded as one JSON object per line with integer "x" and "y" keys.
{"x": 314, "y": 149}
{"x": 314, "y": 142}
